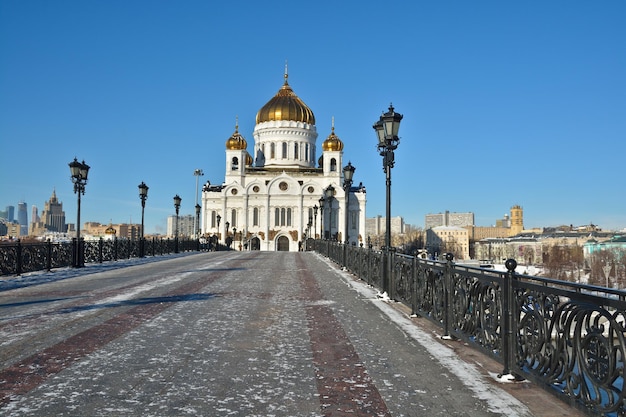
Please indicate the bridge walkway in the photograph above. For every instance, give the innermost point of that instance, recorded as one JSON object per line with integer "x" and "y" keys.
{"x": 237, "y": 334}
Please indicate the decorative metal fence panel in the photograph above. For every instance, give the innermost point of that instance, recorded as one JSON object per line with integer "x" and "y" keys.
{"x": 17, "y": 258}
{"x": 568, "y": 338}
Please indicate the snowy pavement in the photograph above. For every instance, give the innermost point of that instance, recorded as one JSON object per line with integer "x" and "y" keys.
{"x": 226, "y": 334}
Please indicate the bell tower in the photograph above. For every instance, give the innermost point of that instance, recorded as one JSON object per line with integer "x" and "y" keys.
{"x": 517, "y": 220}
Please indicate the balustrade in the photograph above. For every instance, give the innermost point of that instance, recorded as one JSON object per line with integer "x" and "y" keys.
{"x": 568, "y": 338}
{"x": 17, "y": 257}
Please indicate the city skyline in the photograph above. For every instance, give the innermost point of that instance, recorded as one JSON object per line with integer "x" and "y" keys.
{"x": 503, "y": 104}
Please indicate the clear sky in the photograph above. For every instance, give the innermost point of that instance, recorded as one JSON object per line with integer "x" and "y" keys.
{"x": 504, "y": 102}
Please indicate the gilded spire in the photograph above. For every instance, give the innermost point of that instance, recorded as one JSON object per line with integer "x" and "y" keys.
{"x": 286, "y": 72}
{"x": 236, "y": 141}
{"x": 332, "y": 142}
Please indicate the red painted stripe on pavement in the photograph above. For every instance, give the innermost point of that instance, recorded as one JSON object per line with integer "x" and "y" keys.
{"x": 27, "y": 374}
{"x": 345, "y": 387}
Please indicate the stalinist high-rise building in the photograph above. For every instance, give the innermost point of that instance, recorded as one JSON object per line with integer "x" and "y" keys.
{"x": 52, "y": 217}
{"x": 273, "y": 198}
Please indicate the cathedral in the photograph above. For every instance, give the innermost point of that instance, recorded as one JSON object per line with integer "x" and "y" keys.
{"x": 277, "y": 199}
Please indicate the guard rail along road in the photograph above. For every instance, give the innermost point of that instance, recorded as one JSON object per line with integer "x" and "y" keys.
{"x": 565, "y": 337}
{"x": 17, "y": 258}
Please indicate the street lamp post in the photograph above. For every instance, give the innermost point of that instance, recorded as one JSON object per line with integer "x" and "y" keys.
{"x": 177, "y": 201}
{"x": 315, "y": 221}
{"x": 321, "y": 201}
{"x": 234, "y": 237}
{"x": 143, "y": 194}
{"x": 387, "y": 128}
{"x": 330, "y": 192}
{"x": 219, "y": 234}
{"x": 197, "y": 173}
{"x": 348, "y": 173}
{"x": 79, "y": 172}
{"x": 227, "y": 224}
{"x": 198, "y": 208}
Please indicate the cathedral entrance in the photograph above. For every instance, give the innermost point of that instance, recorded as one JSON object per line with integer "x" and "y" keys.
{"x": 282, "y": 244}
{"x": 255, "y": 243}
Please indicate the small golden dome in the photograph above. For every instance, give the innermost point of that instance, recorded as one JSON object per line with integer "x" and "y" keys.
{"x": 332, "y": 142}
{"x": 236, "y": 141}
{"x": 249, "y": 159}
{"x": 110, "y": 230}
{"x": 285, "y": 105}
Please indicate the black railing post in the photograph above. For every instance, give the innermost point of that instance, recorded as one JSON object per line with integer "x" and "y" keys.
{"x": 75, "y": 252}
{"x": 414, "y": 286}
{"x": 49, "y": 255}
{"x": 508, "y": 307}
{"x": 447, "y": 294}
{"x": 391, "y": 262}
{"x": 18, "y": 267}
{"x": 100, "y": 250}
{"x": 81, "y": 251}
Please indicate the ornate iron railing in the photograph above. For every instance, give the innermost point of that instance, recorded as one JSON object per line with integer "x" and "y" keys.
{"x": 17, "y": 257}
{"x": 566, "y": 337}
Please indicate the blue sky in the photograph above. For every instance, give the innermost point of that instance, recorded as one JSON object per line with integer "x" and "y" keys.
{"x": 504, "y": 102}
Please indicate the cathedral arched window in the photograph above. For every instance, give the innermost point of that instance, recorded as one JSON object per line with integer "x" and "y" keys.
{"x": 235, "y": 163}
{"x": 288, "y": 217}
{"x": 233, "y": 218}
{"x": 272, "y": 151}
{"x": 306, "y": 152}
{"x": 255, "y": 216}
{"x": 295, "y": 151}
{"x": 333, "y": 164}
{"x": 277, "y": 217}
{"x": 284, "y": 150}
{"x": 213, "y": 214}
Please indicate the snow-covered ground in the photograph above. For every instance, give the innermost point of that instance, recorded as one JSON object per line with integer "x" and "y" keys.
{"x": 237, "y": 344}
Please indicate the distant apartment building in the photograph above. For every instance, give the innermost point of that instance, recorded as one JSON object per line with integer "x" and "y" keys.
{"x": 13, "y": 229}
{"x": 448, "y": 239}
{"x": 448, "y": 219}
{"x": 375, "y": 226}
{"x": 185, "y": 226}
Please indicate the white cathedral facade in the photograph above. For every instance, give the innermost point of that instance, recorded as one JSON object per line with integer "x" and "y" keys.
{"x": 276, "y": 200}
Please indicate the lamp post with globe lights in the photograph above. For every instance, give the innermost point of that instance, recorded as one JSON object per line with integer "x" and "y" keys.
{"x": 143, "y": 195}
{"x": 79, "y": 172}
{"x": 348, "y": 173}
{"x": 329, "y": 194}
{"x": 219, "y": 233}
{"x": 322, "y": 219}
{"x": 177, "y": 201}
{"x": 387, "y": 128}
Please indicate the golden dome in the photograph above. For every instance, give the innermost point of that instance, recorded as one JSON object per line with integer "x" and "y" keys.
{"x": 332, "y": 142}
{"x": 285, "y": 105}
{"x": 236, "y": 141}
{"x": 249, "y": 159}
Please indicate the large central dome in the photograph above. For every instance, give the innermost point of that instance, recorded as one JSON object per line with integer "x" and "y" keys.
{"x": 285, "y": 105}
